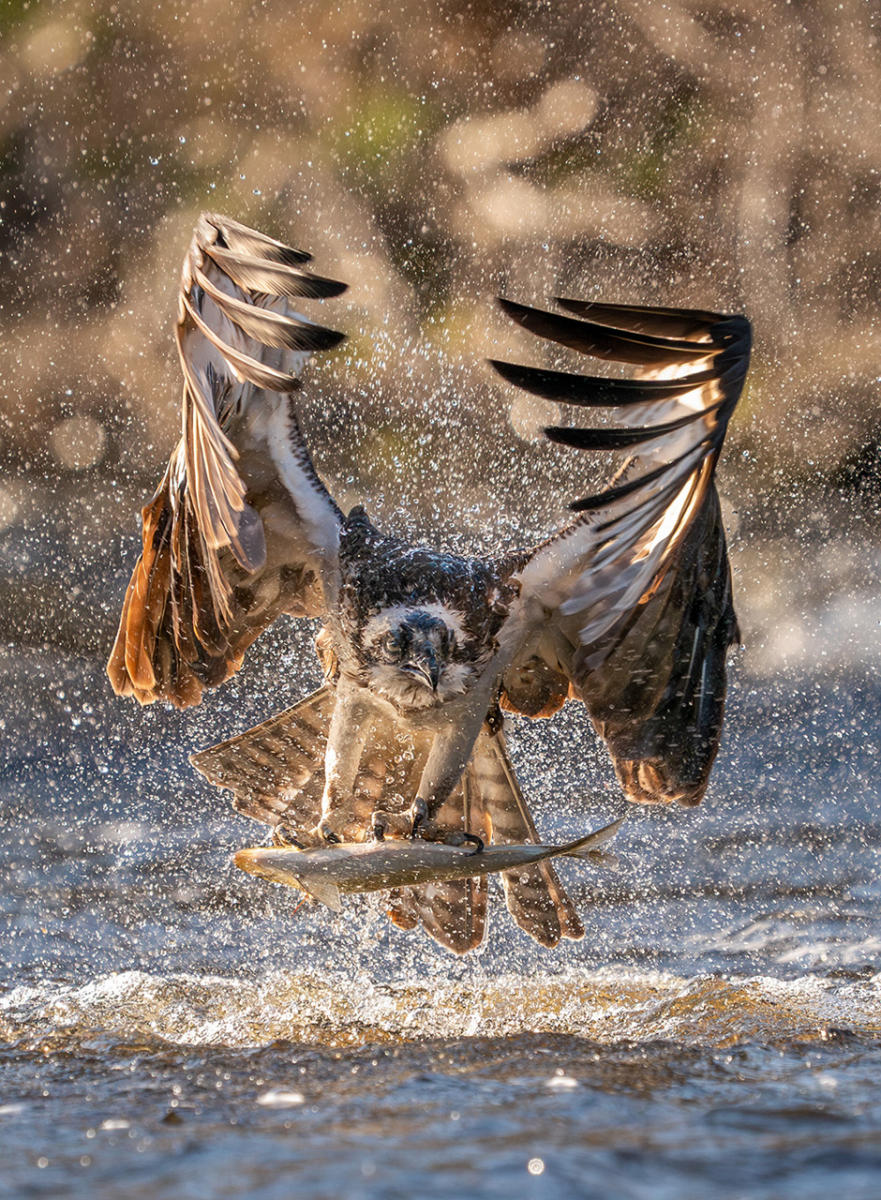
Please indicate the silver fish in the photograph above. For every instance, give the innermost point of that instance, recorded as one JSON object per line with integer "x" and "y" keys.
{"x": 376, "y": 866}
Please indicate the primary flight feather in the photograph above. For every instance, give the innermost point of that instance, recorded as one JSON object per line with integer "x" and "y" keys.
{"x": 627, "y": 608}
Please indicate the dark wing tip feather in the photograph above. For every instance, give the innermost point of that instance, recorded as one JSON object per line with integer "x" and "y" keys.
{"x": 606, "y": 340}
{"x": 593, "y": 391}
{"x": 235, "y": 236}
{"x": 259, "y": 263}
{"x": 661, "y": 322}
{"x": 620, "y": 439}
{"x": 316, "y": 287}
{"x": 653, "y": 337}
{"x": 268, "y": 326}
{"x": 270, "y": 277}
{"x": 511, "y": 372}
{"x": 319, "y": 338}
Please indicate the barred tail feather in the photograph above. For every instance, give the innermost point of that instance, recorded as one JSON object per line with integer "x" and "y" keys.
{"x": 452, "y": 912}
{"x": 536, "y": 898}
{"x": 276, "y": 770}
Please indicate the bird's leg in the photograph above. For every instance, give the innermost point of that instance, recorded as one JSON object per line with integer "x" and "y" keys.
{"x": 449, "y": 754}
{"x": 391, "y": 824}
{"x": 350, "y": 727}
{"x": 447, "y": 759}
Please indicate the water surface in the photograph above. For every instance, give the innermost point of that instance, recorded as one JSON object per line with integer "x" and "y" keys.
{"x": 169, "y": 1027}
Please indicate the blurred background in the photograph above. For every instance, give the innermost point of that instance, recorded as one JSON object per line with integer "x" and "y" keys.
{"x": 716, "y": 154}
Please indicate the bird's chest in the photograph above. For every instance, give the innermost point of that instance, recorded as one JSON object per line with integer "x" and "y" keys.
{"x": 430, "y": 722}
{"x": 407, "y": 708}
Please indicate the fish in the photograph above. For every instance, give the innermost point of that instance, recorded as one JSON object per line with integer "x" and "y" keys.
{"x": 327, "y": 873}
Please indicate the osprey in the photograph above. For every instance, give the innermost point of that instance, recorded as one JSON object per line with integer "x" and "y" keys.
{"x": 627, "y": 608}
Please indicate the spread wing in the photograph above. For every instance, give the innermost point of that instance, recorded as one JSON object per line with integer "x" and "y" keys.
{"x": 241, "y": 528}
{"x": 629, "y": 607}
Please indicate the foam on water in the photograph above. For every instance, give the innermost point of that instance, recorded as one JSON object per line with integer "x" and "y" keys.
{"x": 605, "y": 1006}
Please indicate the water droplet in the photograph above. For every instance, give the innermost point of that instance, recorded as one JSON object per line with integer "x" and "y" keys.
{"x": 281, "y": 1099}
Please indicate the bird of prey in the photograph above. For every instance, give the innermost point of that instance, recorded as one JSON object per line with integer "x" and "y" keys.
{"x": 626, "y": 608}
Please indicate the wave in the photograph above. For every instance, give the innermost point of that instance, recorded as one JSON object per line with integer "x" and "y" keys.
{"x": 607, "y": 1006}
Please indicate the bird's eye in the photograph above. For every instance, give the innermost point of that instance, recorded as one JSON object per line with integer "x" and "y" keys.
{"x": 391, "y": 643}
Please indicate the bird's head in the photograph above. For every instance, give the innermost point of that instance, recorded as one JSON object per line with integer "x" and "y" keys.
{"x": 412, "y": 655}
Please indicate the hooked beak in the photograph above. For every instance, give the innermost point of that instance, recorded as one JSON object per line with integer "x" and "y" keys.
{"x": 426, "y": 668}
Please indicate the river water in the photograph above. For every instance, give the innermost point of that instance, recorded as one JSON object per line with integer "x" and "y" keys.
{"x": 170, "y": 1028}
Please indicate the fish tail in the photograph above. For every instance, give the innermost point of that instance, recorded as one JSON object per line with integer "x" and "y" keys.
{"x": 591, "y": 847}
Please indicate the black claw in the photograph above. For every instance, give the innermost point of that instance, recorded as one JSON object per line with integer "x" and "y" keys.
{"x": 330, "y": 837}
{"x": 475, "y": 841}
{"x": 420, "y": 812}
{"x": 283, "y": 836}
{"x": 379, "y": 832}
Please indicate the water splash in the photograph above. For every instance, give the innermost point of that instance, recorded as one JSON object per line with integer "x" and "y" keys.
{"x": 332, "y": 1009}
